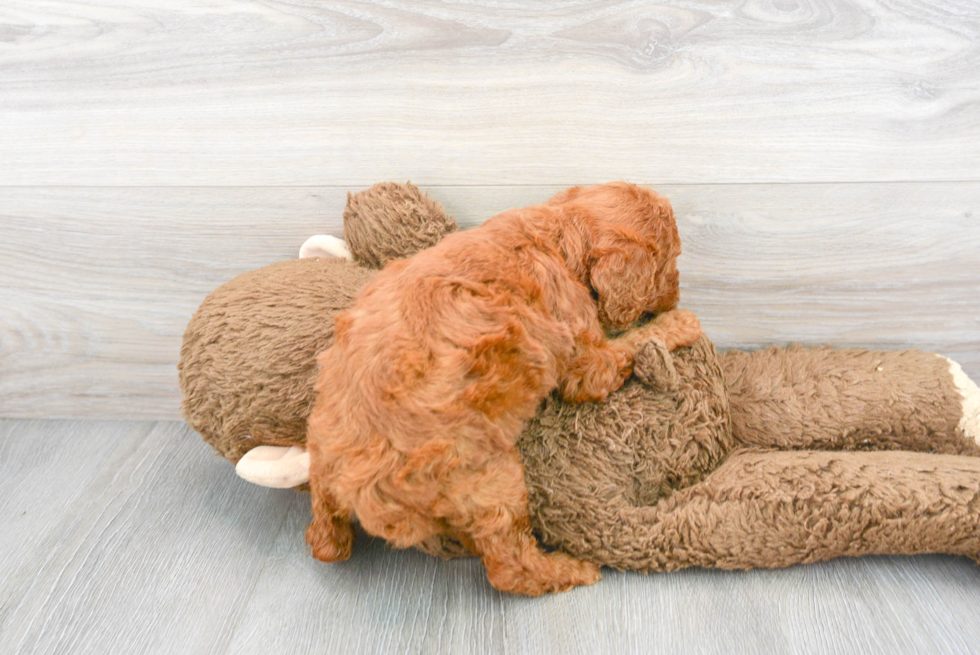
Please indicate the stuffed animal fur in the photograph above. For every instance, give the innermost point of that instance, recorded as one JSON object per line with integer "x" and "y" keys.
{"x": 737, "y": 460}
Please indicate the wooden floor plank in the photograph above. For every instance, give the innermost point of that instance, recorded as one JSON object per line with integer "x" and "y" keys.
{"x": 150, "y": 545}
{"x": 292, "y": 93}
{"x": 99, "y": 284}
{"x": 883, "y": 604}
{"x": 379, "y": 601}
{"x": 150, "y": 552}
{"x": 44, "y": 472}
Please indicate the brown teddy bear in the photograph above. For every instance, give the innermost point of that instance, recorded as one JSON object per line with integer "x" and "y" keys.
{"x": 737, "y": 460}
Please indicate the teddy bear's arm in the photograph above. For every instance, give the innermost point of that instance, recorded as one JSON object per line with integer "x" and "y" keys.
{"x": 279, "y": 467}
{"x": 821, "y": 398}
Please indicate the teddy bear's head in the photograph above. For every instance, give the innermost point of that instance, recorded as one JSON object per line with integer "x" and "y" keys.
{"x": 248, "y": 362}
{"x": 392, "y": 221}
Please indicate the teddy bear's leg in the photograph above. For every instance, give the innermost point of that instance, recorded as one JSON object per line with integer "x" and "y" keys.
{"x": 970, "y": 392}
{"x": 777, "y": 508}
{"x": 820, "y": 398}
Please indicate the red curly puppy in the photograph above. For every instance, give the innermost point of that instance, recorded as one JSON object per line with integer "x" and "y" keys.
{"x": 421, "y": 397}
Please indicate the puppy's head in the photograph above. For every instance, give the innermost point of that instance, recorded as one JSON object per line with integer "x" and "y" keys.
{"x": 632, "y": 259}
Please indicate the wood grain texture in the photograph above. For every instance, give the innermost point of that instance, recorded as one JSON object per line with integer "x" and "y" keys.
{"x": 299, "y": 93}
{"x": 126, "y": 537}
{"x": 99, "y": 284}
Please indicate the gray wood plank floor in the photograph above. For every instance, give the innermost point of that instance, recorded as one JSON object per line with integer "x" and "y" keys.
{"x": 128, "y": 537}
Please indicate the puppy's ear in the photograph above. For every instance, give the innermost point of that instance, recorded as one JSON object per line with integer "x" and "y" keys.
{"x": 623, "y": 275}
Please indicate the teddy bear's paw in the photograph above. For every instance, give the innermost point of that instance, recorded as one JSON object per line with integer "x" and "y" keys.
{"x": 970, "y": 421}
{"x": 279, "y": 467}
{"x": 654, "y": 366}
{"x": 324, "y": 245}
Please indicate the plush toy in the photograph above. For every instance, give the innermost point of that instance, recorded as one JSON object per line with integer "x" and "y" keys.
{"x": 738, "y": 460}
{"x": 247, "y": 365}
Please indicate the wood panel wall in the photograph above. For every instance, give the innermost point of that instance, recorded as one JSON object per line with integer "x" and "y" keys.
{"x": 823, "y": 159}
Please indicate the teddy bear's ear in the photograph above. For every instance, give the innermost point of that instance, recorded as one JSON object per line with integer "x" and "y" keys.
{"x": 393, "y": 221}
{"x": 324, "y": 245}
{"x": 279, "y": 467}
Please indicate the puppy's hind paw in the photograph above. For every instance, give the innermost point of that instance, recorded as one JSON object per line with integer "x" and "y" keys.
{"x": 575, "y": 573}
{"x": 330, "y": 540}
{"x": 546, "y": 574}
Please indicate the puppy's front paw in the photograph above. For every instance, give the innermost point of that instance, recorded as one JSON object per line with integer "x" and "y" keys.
{"x": 595, "y": 375}
{"x": 681, "y": 328}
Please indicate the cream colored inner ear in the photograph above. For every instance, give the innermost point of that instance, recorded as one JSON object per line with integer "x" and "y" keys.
{"x": 323, "y": 245}
{"x": 970, "y": 421}
{"x": 279, "y": 467}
